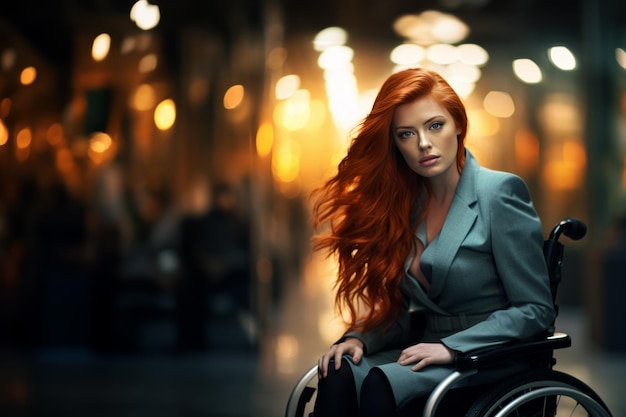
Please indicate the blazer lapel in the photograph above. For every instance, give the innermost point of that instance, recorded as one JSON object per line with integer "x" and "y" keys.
{"x": 460, "y": 219}
{"x": 412, "y": 287}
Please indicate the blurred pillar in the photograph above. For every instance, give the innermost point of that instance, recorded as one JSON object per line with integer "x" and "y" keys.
{"x": 601, "y": 23}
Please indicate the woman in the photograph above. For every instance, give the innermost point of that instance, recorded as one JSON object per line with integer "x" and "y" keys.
{"x": 436, "y": 254}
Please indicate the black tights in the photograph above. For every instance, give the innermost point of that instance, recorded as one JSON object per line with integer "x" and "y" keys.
{"x": 336, "y": 395}
{"x": 377, "y": 398}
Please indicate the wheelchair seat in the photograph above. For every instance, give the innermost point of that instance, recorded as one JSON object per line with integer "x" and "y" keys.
{"x": 539, "y": 391}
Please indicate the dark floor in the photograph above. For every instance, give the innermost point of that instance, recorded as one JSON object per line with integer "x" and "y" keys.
{"x": 231, "y": 381}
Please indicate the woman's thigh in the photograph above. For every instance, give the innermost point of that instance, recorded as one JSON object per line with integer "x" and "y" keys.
{"x": 407, "y": 384}
{"x": 366, "y": 364}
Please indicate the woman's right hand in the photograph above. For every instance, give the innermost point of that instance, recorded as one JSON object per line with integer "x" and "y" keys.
{"x": 351, "y": 346}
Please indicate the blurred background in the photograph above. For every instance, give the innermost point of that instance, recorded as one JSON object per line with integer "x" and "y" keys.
{"x": 156, "y": 162}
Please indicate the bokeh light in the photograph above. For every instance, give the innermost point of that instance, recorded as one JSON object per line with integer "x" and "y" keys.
{"x": 101, "y": 46}
{"x": 165, "y": 114}
{"x": 527, "y": 71}
{"x": 233, "y": 96}
{"x": 145, "y": 15}
{"x": 28, "y": 75}
{"x": 329, "y": 37}
{"x": 562, "y": 58}
{"x": 499, "y": 104}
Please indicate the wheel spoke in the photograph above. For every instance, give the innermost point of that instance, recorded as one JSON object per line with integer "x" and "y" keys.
{"x": 574, "y": 409}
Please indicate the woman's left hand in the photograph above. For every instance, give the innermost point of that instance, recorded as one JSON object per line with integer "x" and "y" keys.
{"x": 424, "y": 354}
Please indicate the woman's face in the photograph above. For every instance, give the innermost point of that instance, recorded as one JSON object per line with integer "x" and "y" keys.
{"x": 426, "y": 135}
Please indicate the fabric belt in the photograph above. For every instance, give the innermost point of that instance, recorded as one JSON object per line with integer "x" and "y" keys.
{"x": 437, "y": 323}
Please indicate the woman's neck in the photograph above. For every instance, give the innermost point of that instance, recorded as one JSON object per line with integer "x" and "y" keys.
{"x": 442, "y": 189}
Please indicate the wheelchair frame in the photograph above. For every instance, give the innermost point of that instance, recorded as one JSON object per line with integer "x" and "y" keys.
{"x": 530, "y": 385}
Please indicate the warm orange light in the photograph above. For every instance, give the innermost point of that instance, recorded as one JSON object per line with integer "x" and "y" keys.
{"x": 144, "y": 97}
{"x": 317, "y": 114}
{"x": 287, "y": 350}
{"x": 54, "y": 134}
{"x": 5, "y": 107}
{"x": 499, "y": 104}
{"x": 286, "y": 161}
{"x": 526, "y": 151}
{"x": 483, "y": 123}
{"x": 64, "y": 160}
{"x": 4, "y": 133}
{"x": 565, "y": 169}
{"x": 100, "y": 142}
{"x": 264, "y": 139}
{"x": 574, "y": 151}
{"x": 294, "y": 113}
{"x": 99, "y": 145}
{"x": 165, "y": 114}
{"x": 28, "y": 75}
{"x": 24, "y": 138}
{"x": 330, "y": 325}
{"x": 233, "y": 96}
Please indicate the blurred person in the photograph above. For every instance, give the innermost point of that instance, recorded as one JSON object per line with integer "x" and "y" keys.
{"x": 110, "y": 229}
{"x": 437, "y": 255}
{"x": 145, "y": 296}
{"x": 55, "y": 284}
{"x": 215, "y": 251}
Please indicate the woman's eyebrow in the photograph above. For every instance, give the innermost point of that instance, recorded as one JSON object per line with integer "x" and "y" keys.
{"x": 432, "y": 119}
{"x": 425, "y": 122}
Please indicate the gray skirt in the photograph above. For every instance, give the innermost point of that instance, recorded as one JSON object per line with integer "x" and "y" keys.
{"x": 407, "y": 384}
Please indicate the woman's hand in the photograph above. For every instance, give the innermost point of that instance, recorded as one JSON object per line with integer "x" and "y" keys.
{"x": 350, "y": 346}
{"x": 424, "y": 354}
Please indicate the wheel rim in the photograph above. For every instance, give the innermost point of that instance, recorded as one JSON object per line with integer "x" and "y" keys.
{"x": 578, "y": 402}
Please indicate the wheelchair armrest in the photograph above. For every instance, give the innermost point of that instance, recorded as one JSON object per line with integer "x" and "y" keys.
{"x": 490, "y": 356}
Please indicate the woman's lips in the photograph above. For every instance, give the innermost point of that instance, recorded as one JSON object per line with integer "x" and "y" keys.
{"x": 428, "y": 160}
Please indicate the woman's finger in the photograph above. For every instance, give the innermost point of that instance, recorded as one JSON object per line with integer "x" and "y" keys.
{"x": 339, "y": 351}
{"x": 357, "y": 355}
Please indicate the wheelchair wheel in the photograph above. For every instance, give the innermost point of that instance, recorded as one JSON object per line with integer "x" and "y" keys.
{"x": 301, "y": 399}
{"x": 540, "y": 394}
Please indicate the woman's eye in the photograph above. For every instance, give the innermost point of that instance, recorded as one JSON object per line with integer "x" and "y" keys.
{"x": 404, "y": 135}
{"x": 436, "y": 126}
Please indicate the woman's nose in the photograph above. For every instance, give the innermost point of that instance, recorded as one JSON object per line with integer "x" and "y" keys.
{"x": 424, "y": 143}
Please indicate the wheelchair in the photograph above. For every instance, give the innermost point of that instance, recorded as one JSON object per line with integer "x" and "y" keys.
{"x": 539, "y": 391}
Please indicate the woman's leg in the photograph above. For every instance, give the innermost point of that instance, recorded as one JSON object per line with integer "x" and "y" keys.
{"x": 336, "y": 394}
{"x": 376, "y": 396}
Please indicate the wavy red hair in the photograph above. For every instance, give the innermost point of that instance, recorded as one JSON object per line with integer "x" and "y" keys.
{"x": 367, "y": 213}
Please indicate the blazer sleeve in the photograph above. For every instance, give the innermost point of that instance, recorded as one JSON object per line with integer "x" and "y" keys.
{"x": 517, "y": 245}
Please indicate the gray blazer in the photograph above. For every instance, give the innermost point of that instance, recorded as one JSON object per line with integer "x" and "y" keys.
{"x": 489, "y": 281}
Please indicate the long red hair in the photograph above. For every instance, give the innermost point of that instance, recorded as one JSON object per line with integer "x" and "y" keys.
{"x": 368, "y": 212}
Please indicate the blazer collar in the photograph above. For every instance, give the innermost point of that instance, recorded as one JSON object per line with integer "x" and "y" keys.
{"x": 460, "y": 219}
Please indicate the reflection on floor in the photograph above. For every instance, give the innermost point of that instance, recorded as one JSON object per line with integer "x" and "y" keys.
{"x": 232, "y": 382}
